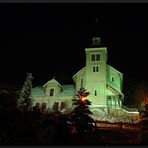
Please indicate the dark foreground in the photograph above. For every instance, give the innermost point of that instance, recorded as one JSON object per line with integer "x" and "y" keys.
{"x": 34, "y": 128}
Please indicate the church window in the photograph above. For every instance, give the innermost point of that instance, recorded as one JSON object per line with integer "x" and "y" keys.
{"x": 109, "y": 100}
{"x": 51, "y": 92}
{"x": 81, "y": 82}
{"x": 96, "y": 41}
{"x": 95, "y": 57}
{"x": 63, "y": 105}
{"x": 56, "y": 106}
{"x": 113, "y": 78}
{"x": 95, "y": 68}
{"x": 37, "y": 105}
{"x": 43, "y": 106}
{"x": 95, "y": 93}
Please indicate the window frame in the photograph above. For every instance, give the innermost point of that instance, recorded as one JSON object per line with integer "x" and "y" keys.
{"x": 95, "y": 68}
{"x": 109, "y": 100}
{"x": 55, "y": 106}
{"x": 95, "y": 94}
{"x": 95, "y": 57}
{"x": 112, "y": 78}
{"x": 62, "y": 108}
{"x": 51, "y": 94}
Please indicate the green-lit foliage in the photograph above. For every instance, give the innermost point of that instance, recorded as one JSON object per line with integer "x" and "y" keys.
{"x": 24, "y": 100}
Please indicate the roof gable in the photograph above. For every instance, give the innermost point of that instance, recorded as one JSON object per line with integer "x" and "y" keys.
{"x": 52, "y": 81}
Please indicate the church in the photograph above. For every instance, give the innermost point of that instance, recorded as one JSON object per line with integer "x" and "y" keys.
{"x": 100, "y": 79}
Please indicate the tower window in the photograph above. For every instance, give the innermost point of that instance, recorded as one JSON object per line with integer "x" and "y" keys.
{"x": 95, "y": 57}
{"x": 95, "y": 68}
{"x": 37, "y": 105}
{"x": 51, "y": 92}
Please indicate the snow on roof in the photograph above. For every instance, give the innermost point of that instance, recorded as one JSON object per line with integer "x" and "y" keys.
{"x": 52, "y": 81}
{"x": 38, "y": 91}
{"x": 67, "y": 90}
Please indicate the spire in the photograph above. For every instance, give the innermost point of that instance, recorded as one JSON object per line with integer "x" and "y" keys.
{"x": 95, "y": 37}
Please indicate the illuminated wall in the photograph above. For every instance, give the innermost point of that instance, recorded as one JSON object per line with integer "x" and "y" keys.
{"x": 102, "y": 81}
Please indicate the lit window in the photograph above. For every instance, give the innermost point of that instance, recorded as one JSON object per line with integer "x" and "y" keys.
{"x": 51, "y": 92}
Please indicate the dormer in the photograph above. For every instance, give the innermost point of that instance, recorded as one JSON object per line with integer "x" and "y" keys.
{"x": 52, "y": 88}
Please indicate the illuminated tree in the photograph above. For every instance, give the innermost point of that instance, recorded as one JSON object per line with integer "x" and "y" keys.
{"x": 80, "y": 116}
{"x": 24, "y": 100}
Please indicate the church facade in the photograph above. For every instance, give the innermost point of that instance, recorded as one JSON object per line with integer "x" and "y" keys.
{"x": 100, "y": 79}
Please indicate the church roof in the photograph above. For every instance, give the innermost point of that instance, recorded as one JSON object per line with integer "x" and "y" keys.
{"x": 81, "y": 70}
{"x": 38, "y": 91}
{"x": 52, "y": 81}
{"x": 67, "y": 90}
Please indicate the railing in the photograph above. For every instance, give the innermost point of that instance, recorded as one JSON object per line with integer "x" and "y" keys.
{"x": 129, "y": 109}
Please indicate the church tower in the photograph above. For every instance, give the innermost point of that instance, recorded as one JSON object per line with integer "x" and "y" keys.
{"x": 96, "y": 58}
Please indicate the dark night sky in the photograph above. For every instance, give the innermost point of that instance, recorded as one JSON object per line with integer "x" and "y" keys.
{"x": 49, "y": 39}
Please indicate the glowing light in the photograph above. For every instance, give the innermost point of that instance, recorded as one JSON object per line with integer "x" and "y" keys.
{"x": 146, "y": 100}
{"x": 83, "y": 98}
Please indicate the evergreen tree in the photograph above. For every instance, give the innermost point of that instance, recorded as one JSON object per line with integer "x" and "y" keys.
{"x": 80, "y": 116}
{"x": 24, "y": 100}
